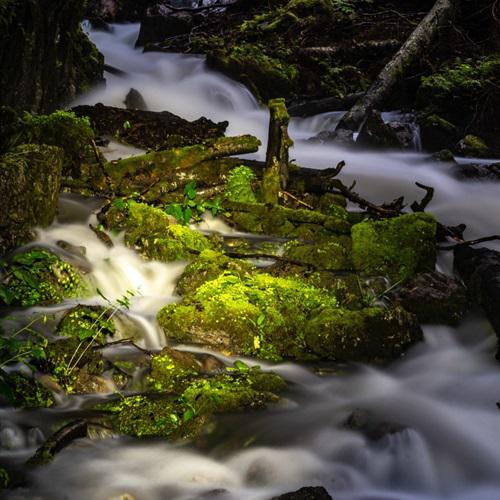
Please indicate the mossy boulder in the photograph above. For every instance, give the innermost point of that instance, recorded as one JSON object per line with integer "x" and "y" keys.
{"x": 268, "y": 77}
{"x": 188, "y": 414}
{"x": 74, "y": 135}
{"x": 87, "y": 322}
{"x": 396, "y": 248}
{"x": 30, "y": 180}
{"x": 38, "y": 277}
{"x": 25, "y": 392}
{"x": 257, "y": 315}
{"x": 367, "y": 335}
{"x": 153, "y": 233}
{"x": 267, "y": 317}
{"x": 208, "y": 266}
{"x": 438, "y": 133}
{"x": 474, "y": 146}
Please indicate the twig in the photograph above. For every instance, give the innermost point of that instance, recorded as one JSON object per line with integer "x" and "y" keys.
{"x": 471, "y": 242}
{"x": 199, "y": 9}
{"x": 294, "y": 198}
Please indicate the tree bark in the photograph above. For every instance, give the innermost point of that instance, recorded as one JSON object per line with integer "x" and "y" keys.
{"x": 384, "y": 84}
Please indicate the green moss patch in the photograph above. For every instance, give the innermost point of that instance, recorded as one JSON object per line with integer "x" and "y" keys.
{"x": 395, "y": 248}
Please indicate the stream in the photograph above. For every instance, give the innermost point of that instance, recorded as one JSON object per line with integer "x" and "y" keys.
{"x": 442, "y": 394}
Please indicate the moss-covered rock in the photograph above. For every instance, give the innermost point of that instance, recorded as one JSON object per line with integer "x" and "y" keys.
{"x": 395, "y": 248}
{"x": 438, "y": 133}
{"x": 38, "y": 277}
{"x": 255, "y": 315}
{"x": 208, "y": 266}
{"x": 370, "y": 334}
{"x": 267, "y": 76}
{"x": 87, "y": 322}
{"x": 474, "y": 146}
{"x": 150, "y": 231}
{"x": 187, "y": 415}
{"x": 30, "y": 179}
{"x": 25, "y": 392}
{"x": 4, "y": 478}
{"x": 63, "y": 129}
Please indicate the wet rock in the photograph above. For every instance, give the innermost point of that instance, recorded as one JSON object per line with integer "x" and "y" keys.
{"x": 306, "y": 493}
{"x": 375, "y": 133}
{"x": 480, "y": 270}
{"x": 277, "y": 318}
{"x": 79, "y": 251}
{"x": 365, "y": 422}
{"x": 38, "y": 277}
{"x": 433, "y": 298}
{"x": 156, "y": 28}
{"x": 152, "y": 232}
{"x": 477, "y": 171}
{"x": 30, "y": 179}
{"x": 25, "y": 392}
{"x": 445, "y": 156}
{"x": 134, "y": 100}
{"x": 396, "y": 248}
{"x": 438, "y": 133}
{"x": 473, "y": 146}
{"x": 149, "y": 129}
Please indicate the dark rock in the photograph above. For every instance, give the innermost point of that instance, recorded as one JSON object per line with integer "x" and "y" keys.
{"x": 377, "y": 134}
{"x": 438, "y": 133}
{"x": 477, "y": 171}
{"x": 157, "y": 28}
{"x": 445, "y": 156}
{"x": 98, "y": 24}
{"x": 45, "y": 56}
{"x": 480, "y": 269}
{"x": 149, "y": 129}
{"x": 306, "y": 493}
{"x": 134, "y": 100}
{"x": 434, "y": 298}
{"x": 473, "y": 146}
{"x": 365, "y": 422}
{"x": 30, "y": 179}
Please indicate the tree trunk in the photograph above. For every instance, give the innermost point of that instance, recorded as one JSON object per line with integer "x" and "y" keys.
{"x": 412, "y": 49}
{"x": 276, "y": 172}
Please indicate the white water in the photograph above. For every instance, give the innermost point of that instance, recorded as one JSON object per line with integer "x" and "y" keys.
{"x": 443, "y": 392}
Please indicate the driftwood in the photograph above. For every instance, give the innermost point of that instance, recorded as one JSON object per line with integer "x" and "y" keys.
{"x": 417, "y": 43}
{"x": 58, "y": 441}
{"x": 310, "y": 107}
{"x": 371, "y": 47}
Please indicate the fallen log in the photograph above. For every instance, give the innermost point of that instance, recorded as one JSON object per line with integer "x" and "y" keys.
{"x": 310, "y": 107}
{"x": 150, "y": 129}
{"x": 417, "y": 43}
{"x": 370, "y": 47}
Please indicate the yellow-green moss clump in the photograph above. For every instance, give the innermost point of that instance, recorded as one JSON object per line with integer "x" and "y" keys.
{"x": 150, "y": 231}
{"x": 333, "y": 254}
{"x": 38, "y": 277}
{"x": 187, "y": 415}
{"x": 87, "y": 322}
{"x": 395, "y": 248}
{"x": 239, "y": 185}
{"x": 209, "y": 265}
{"x": 25, "y": 392}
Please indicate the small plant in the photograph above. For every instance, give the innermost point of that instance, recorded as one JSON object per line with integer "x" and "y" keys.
{"x": 191, "y": 207}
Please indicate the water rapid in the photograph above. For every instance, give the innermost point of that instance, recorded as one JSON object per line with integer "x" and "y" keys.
{"x": 442, "y": 395}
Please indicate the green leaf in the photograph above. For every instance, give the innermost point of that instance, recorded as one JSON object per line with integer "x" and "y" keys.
{"x": 240, "y": 366}
{"x": 187, "y": 215}
{"x": 261, "y": 320}
{"x": 85, "y": 333}
{"x": 190, "y": 190}
{"x": 120, "y": 203}
{"x": 6, "y": 295}
{"x": 188, "y": 414}
{"x": 176, "y": 211}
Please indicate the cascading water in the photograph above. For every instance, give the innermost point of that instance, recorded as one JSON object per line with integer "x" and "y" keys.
{"x": 442, "y": 394}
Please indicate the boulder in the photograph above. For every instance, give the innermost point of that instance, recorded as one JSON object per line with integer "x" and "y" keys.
{"x": 30, "y": 179}
{"x": 433, "y": 297}
{"x": 396, "y": 248}
{"x": 375, "y": 133}
{"x": 156, "y": 28}
{"x": 473, "y": 146}
{"x": 306, "y": 493}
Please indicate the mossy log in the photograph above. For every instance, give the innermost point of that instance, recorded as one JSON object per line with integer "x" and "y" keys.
{"x": 417, "y": 43}
{"x": 276, "y": 172}
{"x": 150, "y": 129}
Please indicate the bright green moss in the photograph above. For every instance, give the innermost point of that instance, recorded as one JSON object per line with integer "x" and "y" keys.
{"x": 395, "y": 248}
{"x": 64, "y": 129}
{"x": 150, "y": 231}
{"x": 27, "y": 392}
{"x": 38, "y": 277}
{"x": 239, "y": 185}
{"x": 331, "y": 254}
{"x": 254, "y": 315}
{"x": 188, "y": 414}
{"x": 171, "y": 370}
{"x": 85, "y": 322}
{"x": 209, "y": 265}
{"x": 471, "y": 145}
